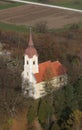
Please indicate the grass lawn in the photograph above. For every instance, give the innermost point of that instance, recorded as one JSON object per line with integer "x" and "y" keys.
{"x": 9, "y": 5}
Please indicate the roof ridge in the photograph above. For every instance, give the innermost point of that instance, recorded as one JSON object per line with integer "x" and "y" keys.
{"x": 45, "y": 62}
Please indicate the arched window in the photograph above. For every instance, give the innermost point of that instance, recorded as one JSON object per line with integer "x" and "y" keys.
{"x": 33, "y": 62}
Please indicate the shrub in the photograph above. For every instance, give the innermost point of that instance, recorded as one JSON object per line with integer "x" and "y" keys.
{"x": 74, "y": 26}
{"x": 41, "y": 27}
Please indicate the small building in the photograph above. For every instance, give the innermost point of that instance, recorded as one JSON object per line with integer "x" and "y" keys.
{"x": 36, "y": 75}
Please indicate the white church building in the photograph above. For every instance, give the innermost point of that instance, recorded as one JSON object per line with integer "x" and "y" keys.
{"x": 35, "y": 75}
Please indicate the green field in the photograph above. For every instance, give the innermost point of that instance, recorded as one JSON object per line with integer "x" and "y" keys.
{"x": 23, "y": 29}
{"x": 69, "y": 26}
{"x": 6, "y": 5}
{"x": 76, "y": 4}
{"x": 72, "y": 4}
{"x": 11, "y": 27}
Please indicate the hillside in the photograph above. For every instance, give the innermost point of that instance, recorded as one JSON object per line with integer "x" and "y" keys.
{"x": 55, "y": 110}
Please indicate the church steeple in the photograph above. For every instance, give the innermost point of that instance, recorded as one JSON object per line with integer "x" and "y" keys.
{"x": 30, "y": 44}
{"x": 31, "y": 50}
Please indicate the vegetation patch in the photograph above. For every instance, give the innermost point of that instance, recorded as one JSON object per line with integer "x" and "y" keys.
{"x": 72, "y": 4}
{"x": 12, "y": 27}
{"x": 76, "y": 4}
{"x": 38, "y": 28}
{"x": 9, "y": 5}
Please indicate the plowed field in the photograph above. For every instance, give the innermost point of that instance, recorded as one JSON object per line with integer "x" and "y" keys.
{"x": 32, "y": 14}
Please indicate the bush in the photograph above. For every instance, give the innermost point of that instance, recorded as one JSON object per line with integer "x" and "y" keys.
{"x": 74, "y": 26}
{"x": 45, "y": 114}
{"x": 41, "y": 27}
{"x": 55, "y": 127}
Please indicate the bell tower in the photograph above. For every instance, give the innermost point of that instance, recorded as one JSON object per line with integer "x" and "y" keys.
{"x": 30, "y": 60}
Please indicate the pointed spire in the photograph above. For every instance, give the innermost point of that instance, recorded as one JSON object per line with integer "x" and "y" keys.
{"x": 30, "y": 44}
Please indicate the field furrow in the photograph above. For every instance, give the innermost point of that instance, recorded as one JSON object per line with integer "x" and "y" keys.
{"x": 32, "y": 14}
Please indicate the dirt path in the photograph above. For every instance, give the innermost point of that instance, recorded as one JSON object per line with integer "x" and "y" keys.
{"x": 20, "y": 123}
{"x": 37, "y": 125}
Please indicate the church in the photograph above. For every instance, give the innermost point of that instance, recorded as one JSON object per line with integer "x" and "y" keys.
{"x": 35, "y": 75}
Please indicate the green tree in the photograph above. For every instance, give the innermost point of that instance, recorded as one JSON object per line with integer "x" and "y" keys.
{"x": 69, "y": 97}
{"x": 45, "y": 113}
{"x": 41, "y": 27}
{"x": 78, "y": 92}
{"x": 75, "y": 120}
{"x": 32, "y": 111}
{"x": 55, "y": 127}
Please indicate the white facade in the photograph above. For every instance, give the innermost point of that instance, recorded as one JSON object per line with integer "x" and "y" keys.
{"x": 39, "y": 88}
{"x": 30, "y": 67}
{"x": 30, "y": 86}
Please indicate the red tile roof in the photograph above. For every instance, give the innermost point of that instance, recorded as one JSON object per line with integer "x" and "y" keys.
{"x": 48, "y": 70}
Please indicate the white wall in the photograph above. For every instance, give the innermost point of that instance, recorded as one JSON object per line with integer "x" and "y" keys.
{"x": 57, "y": 82}
{"x": 28, "y": 62}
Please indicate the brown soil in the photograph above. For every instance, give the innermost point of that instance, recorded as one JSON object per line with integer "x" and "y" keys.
{"x": 20, "y": 123}
{"x": 37, "y": 125}
{"x": 32, "y": 14}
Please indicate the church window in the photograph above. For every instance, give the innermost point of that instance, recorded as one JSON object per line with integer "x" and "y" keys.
{"x": 61, "y": 79}
{"x": 33, "y": 62}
